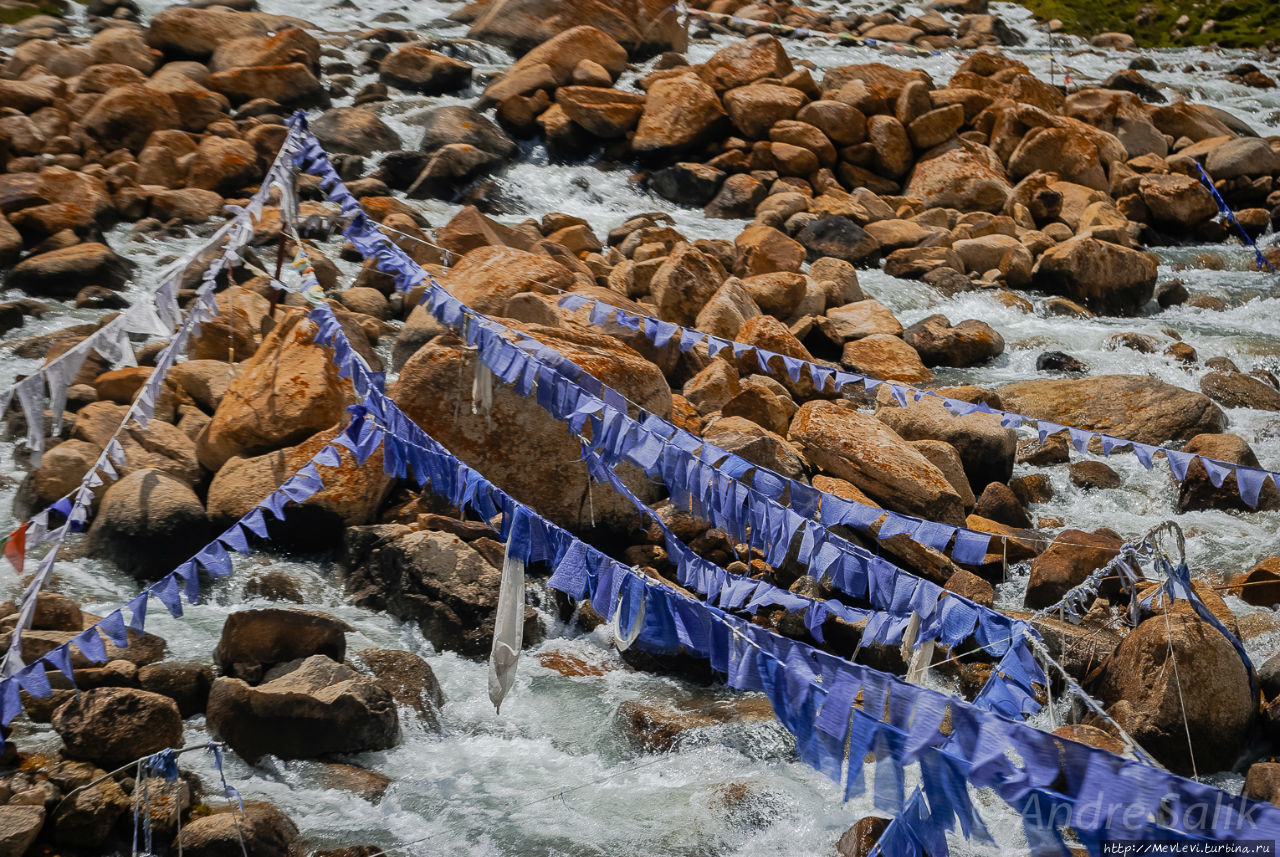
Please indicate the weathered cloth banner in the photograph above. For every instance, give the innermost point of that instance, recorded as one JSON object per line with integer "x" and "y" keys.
{"x": 1249, "y": 480}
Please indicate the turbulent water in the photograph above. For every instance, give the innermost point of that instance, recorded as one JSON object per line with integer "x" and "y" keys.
{"x": 553, "y": 775}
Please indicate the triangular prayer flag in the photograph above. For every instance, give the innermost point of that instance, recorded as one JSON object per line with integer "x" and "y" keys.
{"x": 15, "y": 547}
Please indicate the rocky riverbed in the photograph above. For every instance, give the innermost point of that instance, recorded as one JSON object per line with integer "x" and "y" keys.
{"x": 937, "y": 195}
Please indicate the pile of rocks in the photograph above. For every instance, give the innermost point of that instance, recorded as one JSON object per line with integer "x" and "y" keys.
{"x": 285, "y": 688}
{"x": 995, "y": 180}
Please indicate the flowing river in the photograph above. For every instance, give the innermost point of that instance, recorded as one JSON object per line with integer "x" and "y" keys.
{"x": 554, "y": 774}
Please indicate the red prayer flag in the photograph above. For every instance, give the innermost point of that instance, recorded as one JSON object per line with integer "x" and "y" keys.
{"x": 15, "y": 547}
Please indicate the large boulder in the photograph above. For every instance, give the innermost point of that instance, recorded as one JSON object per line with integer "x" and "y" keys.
{"x": 310, "y": 708}
{"x": 1176, "y": 201}
{"x": 243, "y": 317}
{"x": 960, "y": 174}
{"x": 756, "y": 108}
{"x": 1243, "y": 156}
{"x": 184, "y": 32}
{"x": 457, "y": 123}
{"x": 683, "y": 284}
{"x": 434, "y": 578}
{"x": 187, "y": 684}
{"x": 253, "y": 641}
{"x": 986, "y": 448}
{"x": 353, "y": 131}
{"x": 291, "y": 44}
{"x": 605, "y": 113}
{"x": 261, "y": 829}
{"x": 148, "y": 523}
{"x": 864, "y": 451}
{"x": 679, "y": 113}
{"x": 418, "y": 68}
{"x": 939, "y": 343}
{"x": 1197, "y": 492}
{"x": 1238, "y": 390}
{"x": 727, "y": 310}
{"x": 19, "y": 827}
{"x": 518, "y": 445}
{"x": 1134, "y": 407}
{"x": 63, "y": 272}
{"x": 1069, "y": 559}
{"x": 488, "y": 277}
{"x": 745, "y": 62}
{"x": 88, "y": 817}
{"x": 1176, "y": 680}
{"x": 292, "y": 84}
{"x": 161, "y": 446}
{"x": 1121, "y": 114}
{"x": 756, "y": 444}
{"x": 409, "y": 678}
{"x": 760, "y": 249}
{"x": 641, "y": 26}
{"x": 1105, "y": 277}
{"x": 552, "y": 63}
{"x": 110, "y": 726}
{"x": 223, "y": 165}
{"x": 886, "y": 357}
{"x": 126, "y": 116}
{"x": 289, "y": 390}
{"x": 352, "y": 493}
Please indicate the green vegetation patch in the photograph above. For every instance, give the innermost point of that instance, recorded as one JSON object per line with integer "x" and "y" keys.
{"x": 1237, "y": 23}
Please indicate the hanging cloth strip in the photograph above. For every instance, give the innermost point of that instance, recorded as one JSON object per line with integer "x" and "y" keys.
{"x": 401, "y": 457}
{"x": 183, "y": 581}
{"x": 811, "y": 691}
{"x": 76, "y": 505}
{"x": 852, "y": 569}
{"x": 1225, "y": 211}
{"x": 1250, "y": 480}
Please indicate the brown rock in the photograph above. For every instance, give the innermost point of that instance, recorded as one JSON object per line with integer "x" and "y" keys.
{"x": 765, "y": 250}
{"x": 885, "y": 357}
{"x": 114, "y": 725}
{"x": 684, "y": 283}
{"x": 966, "y": 584}
{"x": 756, "y": 444}
{"x": 969, "y": 343}
{"x": 191, "y": 33}
{"x": 1093, "y": 474}
{"x": 1197, "y": 492}
{"x": 607, "y": 113}
{"x": 1259, "y": 585}
{"x": 1238, "y": 390}
{"x": 756, "y": 108}
{"x": 1207, "y": 695}
{"x": 287, "y": 391}
{"x": 264, "y": 830}
{"x": 290, "y": 84}
{"x": 488, "y": 277}
{"x": 352, "y": 494}
{"x": 960, "y": 174}
{"x": 679, "y": 113}
{"x": 253, "y": 641}
{"x": 643, "y": 26}
{"x": 1134, "y": 407}
{"x": 1069, "y": 559}
{"x": 62, "y": 273}
{"x": 148, "y": 523}
{"x": 985, "y": 446}
{"x": 869, "y": 454}
{"x": 126, "y": 116}
{"x": 517, "y": 444}
{"x": 1104, "y": 276}
{"x": 417, "y": 68}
